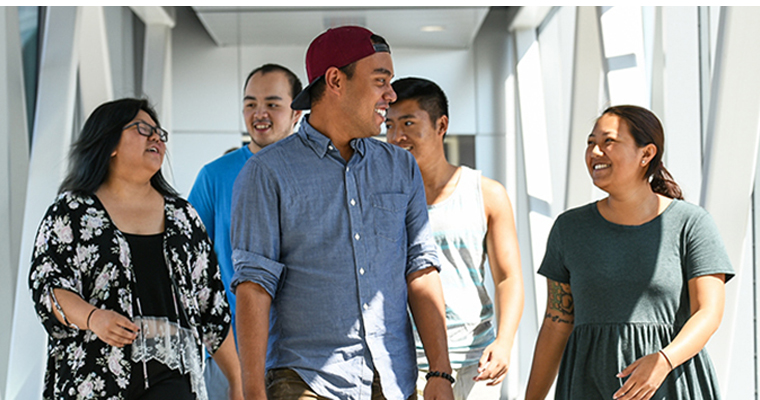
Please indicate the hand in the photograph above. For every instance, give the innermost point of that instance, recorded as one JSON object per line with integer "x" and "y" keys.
{"x": 646, "y": 376}
{"x": 438, "y": 388}
{"x": 113, "y": 328}
{"x": 493, "y": 364}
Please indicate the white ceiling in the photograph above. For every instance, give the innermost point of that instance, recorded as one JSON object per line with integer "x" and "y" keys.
{"x": 297, "y": 26}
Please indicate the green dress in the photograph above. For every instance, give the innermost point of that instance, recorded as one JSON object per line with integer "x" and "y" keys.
{"x": 630, "y": 294}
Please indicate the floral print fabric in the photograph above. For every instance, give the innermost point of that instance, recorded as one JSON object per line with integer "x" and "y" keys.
{"x": 78, "y": 248}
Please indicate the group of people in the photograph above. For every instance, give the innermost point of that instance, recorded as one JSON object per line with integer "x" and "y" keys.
{"x": 298, "y": 259}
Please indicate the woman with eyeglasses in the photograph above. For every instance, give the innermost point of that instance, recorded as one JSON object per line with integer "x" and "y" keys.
{"x": 123, "y": 276}
{"x": 635, "y": 280}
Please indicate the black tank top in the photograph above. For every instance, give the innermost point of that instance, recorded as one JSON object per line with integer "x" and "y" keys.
{"x": 154, "y": 292}
{"x": 153, "y": 287}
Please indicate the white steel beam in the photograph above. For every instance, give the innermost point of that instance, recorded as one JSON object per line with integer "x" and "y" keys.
{"x": 52, "y": 137}
{"x": 623, "y": 41}
{"x": 156, "y": 79}
{"x": 156, "y": 67}
{"x": 14, "y": 165}
{"x": 95, "y": 82}
{"x": 534, "y": 152}
{"x": 156, "y": 15}
{"x": 529, "y": 17}
{"x": 730, "y": 158}
{"x": 682, "y": 110}
{"x": 530, "y": 322}
{"x": 588, "y": 93}
{"x": 517, "y": 190}
{"x": 656, "y": 64}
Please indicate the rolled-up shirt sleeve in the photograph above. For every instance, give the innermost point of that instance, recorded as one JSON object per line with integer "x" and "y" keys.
{"x": 421, "y": 250}
{"x": 254, "y": 229}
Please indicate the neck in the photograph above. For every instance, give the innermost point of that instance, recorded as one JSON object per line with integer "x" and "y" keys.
{"x": 125, "y": 189}
{"x": 334, "y": 127}
{"x": 633, "y": 207}
{"x": 439, "y": 178}
{"x": 253, "y": 147}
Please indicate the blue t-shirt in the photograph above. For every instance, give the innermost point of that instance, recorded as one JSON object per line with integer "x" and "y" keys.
{"x": 333, "y": 242}
{"x": 211, "y": 196}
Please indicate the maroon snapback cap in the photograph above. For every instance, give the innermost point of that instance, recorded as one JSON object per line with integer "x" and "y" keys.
{"x": 336, "y": 47}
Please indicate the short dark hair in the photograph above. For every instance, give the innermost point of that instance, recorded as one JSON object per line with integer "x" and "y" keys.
{"x": 295, "y": 83}
{"x": 90, "y": 154}
{"x": 318, "y": 88}
{"x": 428, "y": 95}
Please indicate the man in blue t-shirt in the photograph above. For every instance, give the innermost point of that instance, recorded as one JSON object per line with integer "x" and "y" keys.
{"x": 268, "y": 92}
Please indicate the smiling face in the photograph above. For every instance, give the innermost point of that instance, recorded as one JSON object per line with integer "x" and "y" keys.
{"x": 135, "y": 153}
{"x": 368, "y": 94}
{"x": 266, "y": 109}
{"x": 612, "y": 157}
{"x": 409, "y": 126}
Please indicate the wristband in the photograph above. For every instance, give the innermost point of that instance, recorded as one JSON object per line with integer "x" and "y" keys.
{"x": 667, "y": 359}
{"x": 89, "y": 316}
{"x": 439, "y": 374}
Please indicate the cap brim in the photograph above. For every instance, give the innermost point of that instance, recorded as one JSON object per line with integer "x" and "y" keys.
{"x": 303, "y": 99}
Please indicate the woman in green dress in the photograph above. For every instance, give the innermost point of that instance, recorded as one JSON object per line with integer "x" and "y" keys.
{"x": 635, "y": 280}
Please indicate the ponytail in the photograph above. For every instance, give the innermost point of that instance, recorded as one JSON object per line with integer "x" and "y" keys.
{"x": 663, "y": 183}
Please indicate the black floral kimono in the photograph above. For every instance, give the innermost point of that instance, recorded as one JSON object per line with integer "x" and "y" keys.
{"x": 78, "y": 248}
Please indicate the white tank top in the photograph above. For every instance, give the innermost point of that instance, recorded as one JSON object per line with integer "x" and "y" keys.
{"x": 459, "y": 226}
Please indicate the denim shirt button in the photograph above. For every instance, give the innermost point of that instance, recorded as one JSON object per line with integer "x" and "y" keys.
{"x": 356, "y": 236}
{"x": 361, "y": 271}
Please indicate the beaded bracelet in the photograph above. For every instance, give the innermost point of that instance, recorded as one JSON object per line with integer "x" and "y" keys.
{"x": 440, "y": 375}
{"x": 667, "y": 359}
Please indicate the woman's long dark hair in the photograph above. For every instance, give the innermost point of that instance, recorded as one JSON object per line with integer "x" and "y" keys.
{"x": 91, "y": 153}
{"x": 645, "y": 129}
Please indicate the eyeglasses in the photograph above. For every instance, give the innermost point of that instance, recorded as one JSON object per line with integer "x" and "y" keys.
{"x": 147, "y": 130}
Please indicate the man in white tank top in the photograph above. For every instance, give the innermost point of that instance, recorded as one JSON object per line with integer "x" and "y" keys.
{"x": 472, "y": 221}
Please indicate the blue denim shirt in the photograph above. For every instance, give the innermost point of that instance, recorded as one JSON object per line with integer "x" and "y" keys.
{"x": 332, "y": 242}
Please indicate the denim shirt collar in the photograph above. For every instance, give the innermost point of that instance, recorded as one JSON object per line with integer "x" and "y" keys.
{"x": 320, "y": 143}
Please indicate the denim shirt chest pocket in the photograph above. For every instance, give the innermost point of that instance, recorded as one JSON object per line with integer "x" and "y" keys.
{"x": 389, "y": 211}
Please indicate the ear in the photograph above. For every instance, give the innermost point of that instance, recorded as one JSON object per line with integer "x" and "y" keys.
{"x": 296, "y": 117}
{"x": 442, "y": 125}
{"x": 648, "y": 152}
{"x": 113, "y": 154}
{"x": 333, "y": 80}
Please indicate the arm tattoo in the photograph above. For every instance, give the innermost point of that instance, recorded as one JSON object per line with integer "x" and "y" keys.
{"x": 557, "y": 318}
{"x": 561, "y": 299}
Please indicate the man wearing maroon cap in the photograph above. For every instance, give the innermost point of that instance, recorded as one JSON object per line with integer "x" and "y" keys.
{"x": 330, "y": 234}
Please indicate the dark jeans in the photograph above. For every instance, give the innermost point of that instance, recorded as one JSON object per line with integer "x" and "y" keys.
{"x": 286, "y": 384}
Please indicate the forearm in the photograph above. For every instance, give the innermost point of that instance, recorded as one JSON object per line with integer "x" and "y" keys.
{"x": 504, "y": 259}
{"x": 707, "y": 299}
{"x": 692, "y": 338}
{"x": 551, "y": 342}
{"x": 76, "y": 309}
{"x": 510, "y": 299}
{"x": 227, "y": 359}
{"x": 429, "y": 312}
{"x": 253, "y": 304}
{"x": 558, "y": 324}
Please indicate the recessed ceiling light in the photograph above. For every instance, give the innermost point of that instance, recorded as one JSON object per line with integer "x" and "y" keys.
{"x": 433, "y": 28}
